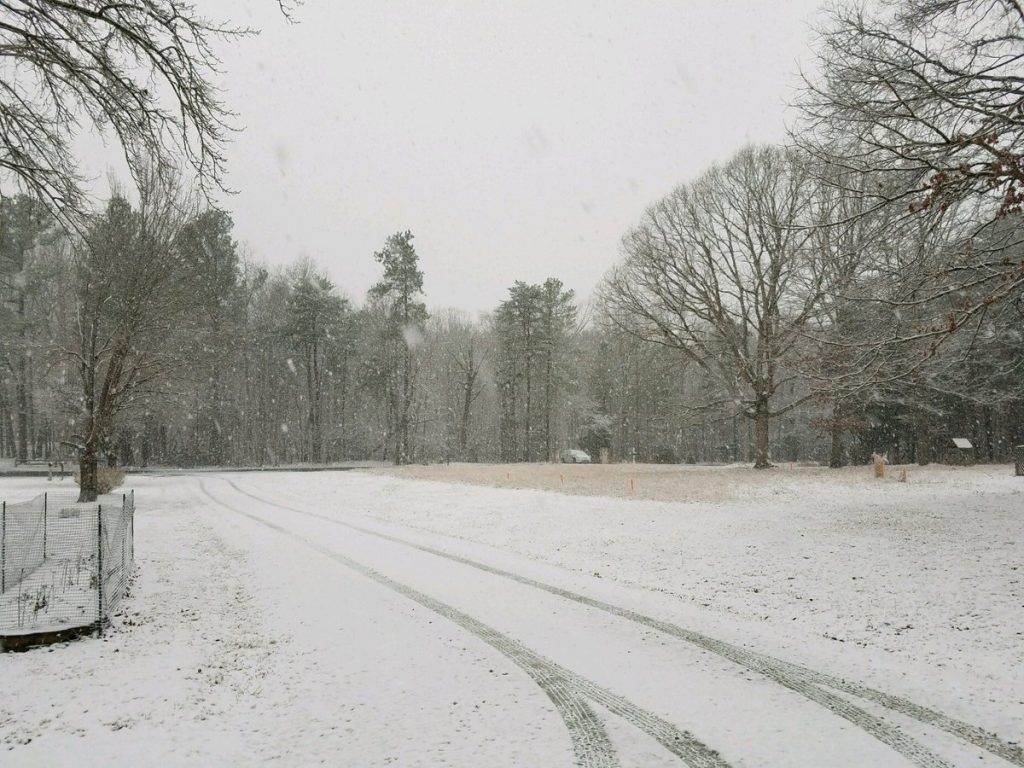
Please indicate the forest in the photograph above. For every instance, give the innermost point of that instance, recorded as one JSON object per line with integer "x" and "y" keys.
{"x": 858, "y": 291}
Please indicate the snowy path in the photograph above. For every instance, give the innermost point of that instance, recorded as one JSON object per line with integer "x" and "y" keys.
{"x": 370, "y": 644}
{"x": 599, "y": 646}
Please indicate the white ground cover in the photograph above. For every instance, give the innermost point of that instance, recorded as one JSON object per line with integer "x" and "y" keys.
{"x": 54, "y": 596}
{"x": 256, "y": 633}
{"x": 928, "y": 571}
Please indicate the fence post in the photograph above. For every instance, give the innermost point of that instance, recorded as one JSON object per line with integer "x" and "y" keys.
{"x": 99, "y": 568}
{"x": 44, "y": 525}
{"x": 131, "y": 522}
{"x": 122, "y": 532}
{"x": 3, "y": 549}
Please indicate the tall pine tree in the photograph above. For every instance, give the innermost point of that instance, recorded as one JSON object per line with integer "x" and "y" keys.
{"x": 399, "y": 291}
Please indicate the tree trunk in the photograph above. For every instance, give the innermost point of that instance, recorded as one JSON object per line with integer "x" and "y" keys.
{"x": 21, "y": 403}
{"x": 21, "y": 384}
{"x": 403, "y": 452}
{"x": 547, "y": 409}
{"x": 924, "y": 448}
{"x": 343, "y": 409}
{"x": 87, "y": 479}
{"x": 835, "y": 458}
{"x": 391, "y": 420}
{"x": 528, "y": 447}
{"x": 989, "y": 443}
{"x": 315, "y": 380}
{"x": 508, "y": 428}
{"x": 217, "y": 418}
{"x": 467, "y": 406}
{"x": 7, "y": 424}
{"x": 308, "y": 439}
{"x": 762, "y": 421}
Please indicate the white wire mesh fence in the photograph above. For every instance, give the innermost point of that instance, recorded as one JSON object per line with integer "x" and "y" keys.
{"x": 64, "y": 565}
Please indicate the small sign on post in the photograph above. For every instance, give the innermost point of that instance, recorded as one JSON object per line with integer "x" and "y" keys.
{"x": 1018, "y": 460}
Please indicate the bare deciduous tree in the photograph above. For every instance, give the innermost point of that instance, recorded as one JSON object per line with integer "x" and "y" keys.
{"x": 930, "y": 93}
{"x": 133, "y": 308}
{"x": 142, "y": 68}
{"x": 465, "y": 352}
{"x": 724, "y": 270}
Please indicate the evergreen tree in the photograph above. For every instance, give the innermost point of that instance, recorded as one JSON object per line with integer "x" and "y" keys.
{"x": 24, "y": 224}
{"x": 557, "y": 321}
{"x": 314, "y": 317}
{"x": 211, "y": 257}
{"x": 399, "y": 292}
{"x": 533, "y": 326}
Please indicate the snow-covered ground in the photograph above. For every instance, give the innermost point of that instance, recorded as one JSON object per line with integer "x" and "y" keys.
{"x": 362, "y": 619}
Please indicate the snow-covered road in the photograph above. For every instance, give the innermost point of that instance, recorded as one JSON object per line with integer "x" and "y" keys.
{"x": 278, "y": 618}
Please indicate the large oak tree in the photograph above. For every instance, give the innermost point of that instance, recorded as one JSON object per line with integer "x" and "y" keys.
{"x": 725, "y": 270}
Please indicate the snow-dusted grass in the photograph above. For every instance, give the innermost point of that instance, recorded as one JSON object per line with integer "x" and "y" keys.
{"x": 242, "y": 643}
{"x": 59, "y": 594}
{"x": 675, "y": 482}
{"x": 926, "y": 574}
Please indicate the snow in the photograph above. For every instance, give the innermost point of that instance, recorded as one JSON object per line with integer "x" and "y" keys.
{"x": 58, "y": 592}
{"x": 310, "y": 617}
{"x": 54, "y": 596}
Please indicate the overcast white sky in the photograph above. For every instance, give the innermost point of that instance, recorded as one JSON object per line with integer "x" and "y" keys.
{"x": 517, "y": 140}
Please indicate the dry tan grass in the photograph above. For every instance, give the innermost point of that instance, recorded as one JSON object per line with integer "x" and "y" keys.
{"x": 661, "y": 482}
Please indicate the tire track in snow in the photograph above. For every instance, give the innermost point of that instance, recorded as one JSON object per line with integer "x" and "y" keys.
{"x": 591, "y": 746}
{"x": 807, "y": 682}
{"x": 972, "y": 734}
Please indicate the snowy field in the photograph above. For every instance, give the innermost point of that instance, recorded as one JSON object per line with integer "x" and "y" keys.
{"x": 791, "y": 618}
{"x": 663, "y": 482}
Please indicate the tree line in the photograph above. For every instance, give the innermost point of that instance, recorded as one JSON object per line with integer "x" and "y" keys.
{"x": 857, "y": 290}
{"x": 151, "y": 338}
